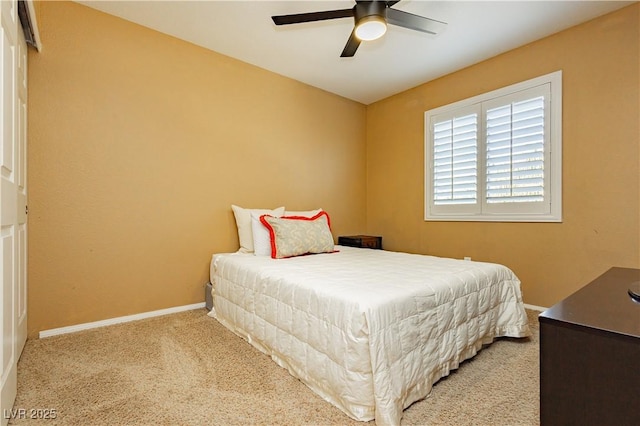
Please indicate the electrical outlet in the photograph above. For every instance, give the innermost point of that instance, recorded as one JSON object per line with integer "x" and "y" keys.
{"x": 467, "y": 258}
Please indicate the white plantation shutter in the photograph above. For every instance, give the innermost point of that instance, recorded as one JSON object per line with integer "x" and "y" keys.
{"x": 516, "y": 149}
{"x": 497, "y": 156}
{"x": 515, "y": 152}
{"x": 455, "y": 160}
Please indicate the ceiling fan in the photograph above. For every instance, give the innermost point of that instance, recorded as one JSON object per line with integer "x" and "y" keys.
{"x": 370, "y": 18}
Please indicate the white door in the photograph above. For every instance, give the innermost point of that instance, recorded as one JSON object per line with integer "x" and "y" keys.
{"x": 13, "y": 203}
{"x": 20, "y": 298}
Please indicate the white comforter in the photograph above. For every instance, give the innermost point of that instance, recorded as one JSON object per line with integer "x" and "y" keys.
{"x": 368, "y": 330}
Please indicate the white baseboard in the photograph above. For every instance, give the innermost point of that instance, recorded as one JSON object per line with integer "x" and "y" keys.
{"x": 118, "y": 320}
{"x": 151, "y": 314}
{"x": 534, "y": 307}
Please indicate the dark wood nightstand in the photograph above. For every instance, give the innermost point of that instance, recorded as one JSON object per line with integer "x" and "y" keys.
{"x": 363, "y": 241}
{"x": 589, "y": 353}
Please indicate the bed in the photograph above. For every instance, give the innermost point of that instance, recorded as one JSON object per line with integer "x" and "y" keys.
{"x": 370, "y": 331}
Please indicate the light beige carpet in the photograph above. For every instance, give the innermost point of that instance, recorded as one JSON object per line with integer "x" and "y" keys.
{"x": 187, "y": 369}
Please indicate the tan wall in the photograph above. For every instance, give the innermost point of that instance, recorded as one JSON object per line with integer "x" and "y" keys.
{"x": 600, "y": 61}
{"x": 138, "y": 145}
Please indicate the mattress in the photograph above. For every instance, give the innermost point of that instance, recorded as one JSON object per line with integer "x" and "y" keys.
{"x": 370, "y": 331}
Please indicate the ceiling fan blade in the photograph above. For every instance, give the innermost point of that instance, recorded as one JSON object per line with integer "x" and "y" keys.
{"x": 352, "y": 45}
{"x": 312, "y": 16}
{"x": 388, "y": 3}
{"x": 414, "y": 22}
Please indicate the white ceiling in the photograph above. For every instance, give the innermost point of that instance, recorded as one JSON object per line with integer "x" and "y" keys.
{"x": 310, "y": 52}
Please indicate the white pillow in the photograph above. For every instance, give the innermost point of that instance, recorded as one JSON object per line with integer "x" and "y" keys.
{"x": 243, "y": 222}
{"x": 261, "y": 237}
{"x": 306, "y": 213}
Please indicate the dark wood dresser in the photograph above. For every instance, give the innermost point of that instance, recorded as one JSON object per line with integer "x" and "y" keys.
{"x": 364, "y": 241}
{"x": 590, "y": 355}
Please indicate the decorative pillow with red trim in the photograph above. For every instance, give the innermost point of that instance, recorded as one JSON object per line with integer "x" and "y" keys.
{"x": 296, "y": 235}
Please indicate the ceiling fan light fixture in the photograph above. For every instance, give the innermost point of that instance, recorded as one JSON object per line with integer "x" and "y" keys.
{"x": 371, "y": 27}
{"x": 369, "y": 21}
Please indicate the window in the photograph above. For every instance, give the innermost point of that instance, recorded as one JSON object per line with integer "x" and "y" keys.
{"x": 497, "y": 156}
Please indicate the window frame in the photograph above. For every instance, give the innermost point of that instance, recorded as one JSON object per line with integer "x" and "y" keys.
{"x": 502, "y": 212}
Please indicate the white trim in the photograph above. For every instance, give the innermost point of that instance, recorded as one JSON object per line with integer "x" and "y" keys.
{"x": 534, "y": 307}
{"x": 505, "y": 212}
{"x": 555, "y": 76}
{"x": 118, "y": 320}
{"x": 34, "y": 25}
